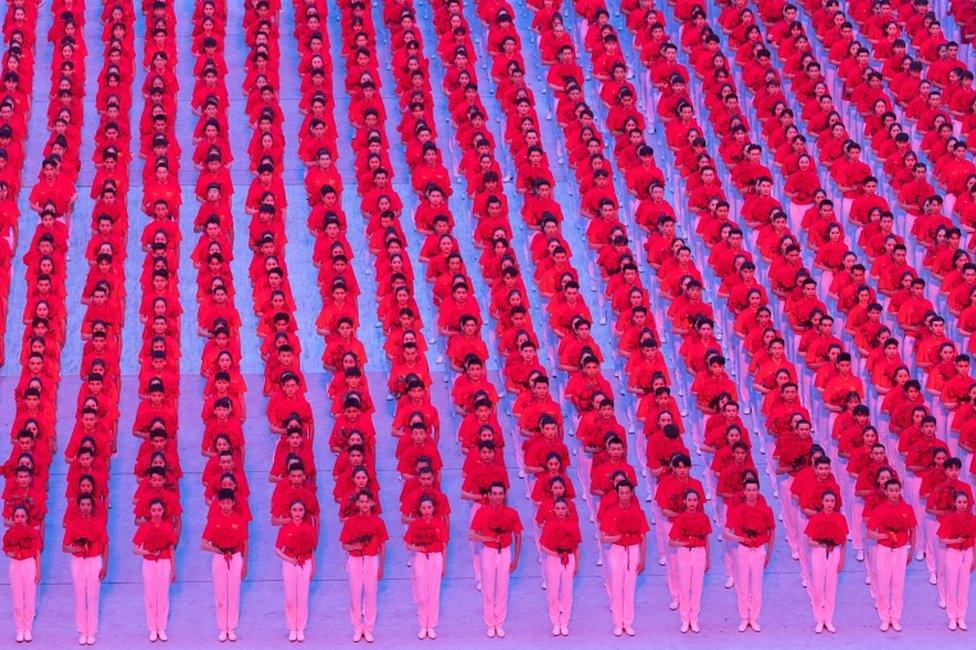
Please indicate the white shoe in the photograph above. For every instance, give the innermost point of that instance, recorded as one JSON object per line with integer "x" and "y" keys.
{"x": 896, "y": 626}
{"x": 422, "y": 634}
{"x": 231, "y": 635}
{"x": 860, "y": 555}
{"x": 920, "y": 556}
{"x": 618, "y": 631}
{"x": 885, "y": 626}
{"x": 368, "y": 636}
{"x": 555, "y": 630}
{"x": 685, "y": 626}
{"x": 755, "y": 626}
{"x": 932, "y": 579}
{"x": 694, "y": 627}
{"x": 500, "y": 633}
{"x": 222, "y": 636}
{"x": 162, "y": 635}
{"x": 90, "y": 640}
{"x": 961, "y": 623}
{"x": 431, "y": 633}
{"x": 729, "y": 582}
{"x": 153, "y": 636}
{"x": 293, "y": 636}
{"x": 357, "y": 637}
{"x": 804, "y": 583}
{"x": 491, "y": 633}
{"x": 867, "y": 580}
{"x": 795, "y": 555}
{"x": 662, "y": 560}
{"x": 564, "y": 630}
{"x": 952, "y": 626}
{"x": 82, "y": 639}
{"x": 673, "y": 605}
{"x": 629, "y": 631}
{"x": 819, "y": 628}
{"x": 20, "y": 637}
{"x": 830, "y": 627}
{"x": 743, "y": 625}
{"x": 300, "y": 636}
{"x": 942, "y": 603}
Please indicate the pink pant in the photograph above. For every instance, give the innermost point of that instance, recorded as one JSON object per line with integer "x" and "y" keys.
{"x": 475, "y": 547}
{"x": 936, "y": 551}
{"x": 84, "y": 576}
{"x": 958, "y": 567}
{"x": 559, "y": 588}
{"x": 623, "y": 562}
{"x": 296, "y": 580}
{"x": 857, "y": 523}
{"x": 227, "y": 590}
{"x": 494, "y": 584}
{"x": 803, "y": 550}
{"x": 889, "y": 568}
{"x": 691, "y": 576}
{"x": 427, "y": 569}
{"x": 363, "y": 579}
{"x": 788, "y": 507}
{"x": 749, "y": 566}
{"x": 155, "y": 589}
{"x": 823, "y": 583}
{"x": 23, "y": 592}
{"x": 671, "y": 553}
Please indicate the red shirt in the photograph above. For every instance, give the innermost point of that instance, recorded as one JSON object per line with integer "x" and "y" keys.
{"x": 87, "y": 532}
{"x": 156, "y": 538}
{"x": 297, "y": 541}
{"x": 226, "y": 532}
{"x": 21, "y": 541}
{"x": 692, "y": 528}
{"x": 428, "y": 535}
{"x": 561, "y": 535}
{"x": 366, "y": 529}
{"x": 896, "y": 520}
{"x": 827, "y": 527}
{"x": 955, "y": 524}
{"x": 629, "y": 522}
{"x": 503, "y": 521}
{"x": 754, "y": 523}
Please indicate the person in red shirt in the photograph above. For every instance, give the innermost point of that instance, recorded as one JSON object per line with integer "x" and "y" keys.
{"x": 363, "y": 537}
{"x": 155, "y": 541}
{"x": 559, "y": 544}
{"x": 225, "y": 535}
{"x": 86, "y": 539}
{"x": 689, "y": 535}
{"x": 22, "y": 544}
{"x": 295, "y": 545}
{"x": 826, "y": 533}
{"x": 498, "y": 528}
{"x": 957, "y": 531}
{"x": 624, "y": 527}
{"x": 751, "y": 524}
{"x": 892, "y": 524}
{"x": 426, "y": 537}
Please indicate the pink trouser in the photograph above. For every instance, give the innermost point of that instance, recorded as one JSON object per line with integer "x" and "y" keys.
{"x": 363, "y": 578}
{"x": 691, "y": 576}
{"x": 227, "y": 590}
{"x": 889, "y": 568}
{"x": 671, "y": 555}
{"x": 23, "y": 592}
{"x": 559, "y": 588}
{"x": 427, "y": 569}
{"x": 857, "y": 523}
{"x": 84, "y": 576}
{"x": 789, "y": 506}
{"x": 475, "y": 547}
{"x": 495, "y": 566}
{"x": 935, "y": 550}
{"x": 823, "y": 583}
{"x": 958, "y": 569}
{"x": 749, "y": 566}
{"x": 155, "y": 590}
{"x": 802, "y": 549}
{"x": 623, "y": 562}
{"x": 296, "y": 580}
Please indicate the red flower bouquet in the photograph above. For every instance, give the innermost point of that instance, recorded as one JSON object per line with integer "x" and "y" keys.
{"x": 301, "y": 544}
{"x": 424, "y": 535}
{"x": 630, "y": 526}
{"x": 155, "y": 540}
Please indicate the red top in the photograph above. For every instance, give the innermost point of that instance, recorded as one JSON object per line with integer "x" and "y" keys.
{"x": 156, "y": 538}
{"x": 561, "y": 535}
{"x": 297, "y": 541}
{"x": 692, "y": 528}
{"x": 955, "y": 524}
{"x": 87, "y": 532}
{"x": 830, "y": 528}
{"x": 21, "y": 541}
{"x": 754, "y": 523}
{"x": 629, "y": 522}
{"x": 226, "y": 532}
{"x": 431, "y": 536}
{"x": 497, "y": 520}
{"x": 368, "y": 530}
{"x": 895, "y": 520}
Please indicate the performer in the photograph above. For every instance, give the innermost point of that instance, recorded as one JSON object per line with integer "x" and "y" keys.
{"x": 751, "y": 524}
{"x": 689, "y": 534}
{"x": 957, "y": 531}
{"x": 364, "y": 537}
{"x": 559, "y": 542}
{"x": 86, "y": 539}
{"x": 295, "y": 545}
{"x": 426, "y": 538}
{"x": 892, "y": 523}
{"x": 225, "y": 535}
{"x": 826, "y": 533}
{"x": 22, "y": 544}
{"x": 498, "y": 528}
{"x": 624, "y": 527}
{"x": 154, "y": 541}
